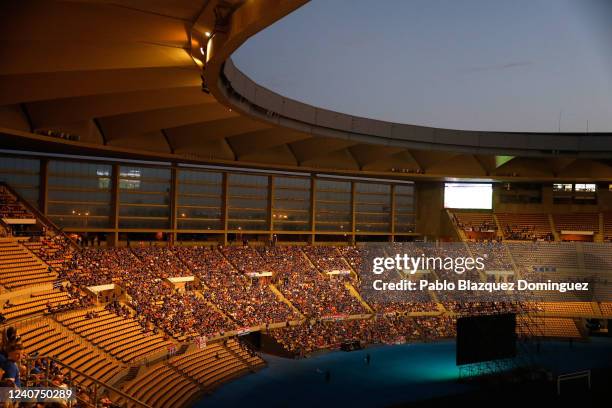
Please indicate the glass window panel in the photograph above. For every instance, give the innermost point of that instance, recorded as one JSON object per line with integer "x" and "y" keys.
{"x": 23, "y": 176}
{"x": 144, "y": 211}
{"x": 139, "y": 198}
{"x": 143, "y": 223}
{"x": 79, "y": 193}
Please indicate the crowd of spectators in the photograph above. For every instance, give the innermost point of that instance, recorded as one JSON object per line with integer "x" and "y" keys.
{"x": 155, "y": 300}
{"x": 526, "y": 233}
{"x": 10, "y": 207}
{"x": 312, "y": 292}
{"x": 55, "y": 249}
{"x": 331, "y": 334}
{"x": 18, "y": 370}
{"x": 249, "y": 301}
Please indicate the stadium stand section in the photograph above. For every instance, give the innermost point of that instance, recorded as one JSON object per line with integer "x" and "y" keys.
{"x": 577, "y": 222}
{"x": 19, "y": 267}
{"x": 525, "y": 227}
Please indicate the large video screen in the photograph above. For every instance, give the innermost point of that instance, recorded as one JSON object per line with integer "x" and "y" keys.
{"x": 486, "y": 338}
{"x": 468, "y": 195}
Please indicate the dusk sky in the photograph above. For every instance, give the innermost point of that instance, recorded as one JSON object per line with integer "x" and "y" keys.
{"x": 509, "y": 65}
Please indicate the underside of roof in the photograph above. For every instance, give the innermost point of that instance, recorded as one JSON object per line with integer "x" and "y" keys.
{"x": 124, "y": 78}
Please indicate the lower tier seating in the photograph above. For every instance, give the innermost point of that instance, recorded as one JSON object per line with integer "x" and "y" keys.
{"x": 573, "y": 309}
{"x": 121, "y": 336}
{"x": 163, "y": 386}
{"x": 47, "y": 339}
{"x": 548, "y": 327}
{"x": 216, "y": 363}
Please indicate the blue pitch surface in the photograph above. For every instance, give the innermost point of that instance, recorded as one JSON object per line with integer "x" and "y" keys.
{"x": 396, "y": 374}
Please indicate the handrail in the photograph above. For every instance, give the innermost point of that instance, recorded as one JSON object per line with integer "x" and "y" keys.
{"x": 40, "y": 216}
{"x": 98, "y": 383}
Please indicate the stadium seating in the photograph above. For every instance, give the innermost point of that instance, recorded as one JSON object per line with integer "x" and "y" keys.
{"x": 216, "y": 363}
{"x": 48, "y": 339}
{"x": 544, "y": 254}
{"x": 606, "y": 309}
{"x": 525, "y": 226}
{"x": 19, "y": 267}
{"x": 55, "y": 250}
{"x": 577, "y": 222}
{"x": 250, "y": 302}
{"x": 120, "y": 336}
{"x": 553, "y": 327}
{"x": 37, "y": 302}
{"x": 10, "y": 207}
{"x": 597, "y": 256}
{"x": 475, "y": 221}
{"x": 607, "y": 226}
{"x": 163, "y": 386}
{"x": 569, "y": 309}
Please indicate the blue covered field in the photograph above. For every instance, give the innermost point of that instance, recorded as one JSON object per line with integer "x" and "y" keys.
{"x": 396, "y": 374}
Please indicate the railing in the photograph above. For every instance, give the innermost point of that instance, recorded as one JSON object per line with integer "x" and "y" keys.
{"x": 40, "y": 216}
{"x": 99, "y": 389}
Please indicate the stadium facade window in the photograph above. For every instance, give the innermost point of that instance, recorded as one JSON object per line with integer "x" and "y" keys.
{"x": 80, "y": 198}
{"x": 200, "y": 200}
{"x": 291, "y": 204}
{"x": 144, "y": 197}
{"x": 372, "y": 207}
{"x": 79, "y": 194}
{"x": 404, "y": 208}
{"x": 585, "y": 188}
{"x": 333, "y": 210}
{"x": 520, "y": 193}
{"x": 562, "y": 187}
{"x": 23, "y": 175}
{"x": 247, "y": 202}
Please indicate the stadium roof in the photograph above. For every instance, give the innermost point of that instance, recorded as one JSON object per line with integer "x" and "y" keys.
{"x": 126, "y": 77}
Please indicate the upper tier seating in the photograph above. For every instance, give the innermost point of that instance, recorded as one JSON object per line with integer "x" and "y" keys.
{"x": 10, "y": 207}
{"x": 475, "y": 221}
{"x": 577, "y": 222}
{"x": 607, "y": 226}
{"x": 19, "y": 267}
{"x": 525, "y": 227}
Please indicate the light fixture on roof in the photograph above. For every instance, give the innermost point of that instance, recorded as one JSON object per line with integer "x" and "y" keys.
{"x": 208, "y": 34}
